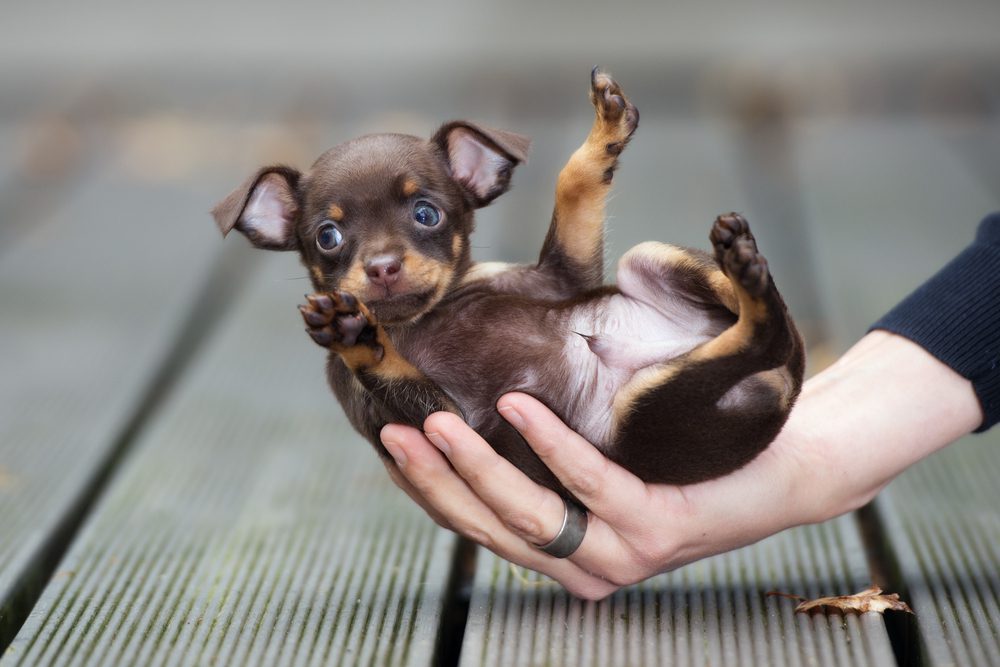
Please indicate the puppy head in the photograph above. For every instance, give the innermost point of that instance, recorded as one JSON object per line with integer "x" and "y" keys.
{"x": 385, "y": 217}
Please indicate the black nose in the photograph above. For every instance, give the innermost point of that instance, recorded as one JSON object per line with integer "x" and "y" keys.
{"x": 383, "y": 269}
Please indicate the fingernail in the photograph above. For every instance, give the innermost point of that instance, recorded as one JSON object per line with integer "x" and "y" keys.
{"x": 439, "y": 442}
{"x": 395, "y": 451}
{"x": 513, "y": 416}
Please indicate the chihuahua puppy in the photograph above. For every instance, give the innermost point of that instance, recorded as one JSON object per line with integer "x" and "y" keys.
{"x": 683, "y": 371}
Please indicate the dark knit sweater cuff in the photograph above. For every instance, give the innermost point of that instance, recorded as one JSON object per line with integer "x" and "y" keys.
{"x": 956, "y": 317}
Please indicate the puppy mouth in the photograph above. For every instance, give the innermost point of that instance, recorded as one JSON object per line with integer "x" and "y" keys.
{"x": 395, "y": 308}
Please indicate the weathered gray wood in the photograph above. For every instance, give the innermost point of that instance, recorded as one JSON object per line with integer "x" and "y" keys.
{"x": 714, "y": 612}
{"x": 940, "y": 519}
{"x": 93, "y": 300}
{"x": 250, "y": 525}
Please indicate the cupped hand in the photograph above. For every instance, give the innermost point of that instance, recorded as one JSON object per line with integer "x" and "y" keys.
{"x": 635, "y": 530}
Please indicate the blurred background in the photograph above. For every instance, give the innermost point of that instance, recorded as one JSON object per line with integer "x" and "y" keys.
{"x": 861, "y": 139}
{"x": 151, "y": 367}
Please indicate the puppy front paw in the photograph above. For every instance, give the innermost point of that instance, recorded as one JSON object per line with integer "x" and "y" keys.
{"x": 337, "y": 320}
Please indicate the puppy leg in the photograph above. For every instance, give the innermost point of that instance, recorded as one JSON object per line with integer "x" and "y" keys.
{"x": 574, "y": 248}
{"x": 341, "y": 323}
{"x": 712, "y": 410}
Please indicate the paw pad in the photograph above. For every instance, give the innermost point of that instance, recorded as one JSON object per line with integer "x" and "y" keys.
{"x": 736, "y": 252}
{"x": 335, "y": 319}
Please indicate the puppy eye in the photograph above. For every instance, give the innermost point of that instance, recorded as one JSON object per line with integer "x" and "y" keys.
{"x": 426, "y": 214}
{"x": 328, "y": 237}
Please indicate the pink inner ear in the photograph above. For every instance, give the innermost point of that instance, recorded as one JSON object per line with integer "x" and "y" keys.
{"x": 473, "y": 163}
{"x": 268, "y": 213}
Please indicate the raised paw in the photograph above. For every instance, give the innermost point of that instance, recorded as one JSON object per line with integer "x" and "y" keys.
{"x": 617, "y": 118}
{"x": 736, "y": 252}
{"x": 338, "y": 320}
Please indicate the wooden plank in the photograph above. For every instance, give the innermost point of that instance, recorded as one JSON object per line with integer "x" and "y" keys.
{"x": 713, "y": 612}
{"x": 93, "y": 301}
{"x": 941, "y": 522}
{"x": 891, "y": 203}
{"x": 676, "y": 177}
{"x": 251, "y": 525}
{"x": 51, "y": 145}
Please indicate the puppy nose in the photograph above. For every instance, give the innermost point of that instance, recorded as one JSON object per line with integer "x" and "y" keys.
{"x": 383, "y": 269}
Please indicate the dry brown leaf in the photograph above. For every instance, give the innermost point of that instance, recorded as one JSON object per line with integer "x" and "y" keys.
{"x": 870, "y": 599}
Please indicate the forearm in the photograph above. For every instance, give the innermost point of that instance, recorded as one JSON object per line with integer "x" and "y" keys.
{"x": 884, "y": 405}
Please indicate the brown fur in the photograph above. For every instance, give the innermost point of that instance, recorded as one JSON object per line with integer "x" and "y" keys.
{"x": 413, "y": 327}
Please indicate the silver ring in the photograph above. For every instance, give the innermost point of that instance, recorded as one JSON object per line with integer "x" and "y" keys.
{"x": 570, "y": 535}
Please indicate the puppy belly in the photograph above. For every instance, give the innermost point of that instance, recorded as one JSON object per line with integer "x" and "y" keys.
{"x": 608, "y": 342}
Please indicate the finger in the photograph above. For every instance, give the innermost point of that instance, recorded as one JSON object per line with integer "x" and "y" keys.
{"x": 608, "y": 490}
{"x": 531, "y": 511}
{"x": 400, "y": 480}
{"x": 426, "y": 469}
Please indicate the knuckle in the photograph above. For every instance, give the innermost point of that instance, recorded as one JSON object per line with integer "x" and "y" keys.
{"x": 593, "y": 591}
{"x": 477, "y": 470}
{"x": 481, "y": 537}
{"x": 441, "y": 521}
{"x": 474, "y": 475}
{"x": 527, "y": 525}
{"x": 620, "y": 578}
{"x": 588, "y": 481}
{"x": 650, "y": 555}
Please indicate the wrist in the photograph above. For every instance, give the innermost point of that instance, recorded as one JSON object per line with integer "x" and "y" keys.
{"x": 883, "y": 406}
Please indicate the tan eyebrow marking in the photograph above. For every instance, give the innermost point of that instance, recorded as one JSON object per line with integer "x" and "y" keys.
{"x": 410, "y": 187}
{"x": 336, "y": 213}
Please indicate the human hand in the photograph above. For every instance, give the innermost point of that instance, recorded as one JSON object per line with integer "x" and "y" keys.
{"x": 884, "y": 405}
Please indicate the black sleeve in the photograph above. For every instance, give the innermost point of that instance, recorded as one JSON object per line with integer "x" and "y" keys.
{"x": 956, "y": 317}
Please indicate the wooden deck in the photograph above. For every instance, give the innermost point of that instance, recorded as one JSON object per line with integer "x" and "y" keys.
{"x": 179, "y": 487}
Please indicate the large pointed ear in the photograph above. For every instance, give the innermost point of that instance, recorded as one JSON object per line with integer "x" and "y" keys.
{"x": 481, "y": 159}
{"x": 265, "y": 208}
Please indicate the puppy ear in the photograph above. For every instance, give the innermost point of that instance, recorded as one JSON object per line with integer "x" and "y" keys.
{"x": 481, "y": 159}
{"x": 265, "y": 208}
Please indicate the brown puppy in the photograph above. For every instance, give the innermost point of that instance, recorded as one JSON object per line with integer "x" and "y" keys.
{"x": 684, "y": 371}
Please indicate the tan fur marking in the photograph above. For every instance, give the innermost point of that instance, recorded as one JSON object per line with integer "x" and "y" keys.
{"x": 581, "y": 191}
{"x": 736, "y": 338}
{"x": 410, "y": 187}
{"x": 357, "y": 357}
{"x": 641, "y": 383}
{"x": 580, "y": 200}
{"x": 723, "y": 289}
{"x": 419, "y": 273}
{"x": 424, "y": 273}
{"x": 335, "y": 212}
{"x": 384, "y": 361}
{"x": 355, "y": 281}
{"x": 486, "y": 270}
{"x": 395, "y": 367}
{"x": 652, "y": 253}
{"x": 456, "y": 245}
{"x": 317, "y": 274}
{"x": 665, "y": 254}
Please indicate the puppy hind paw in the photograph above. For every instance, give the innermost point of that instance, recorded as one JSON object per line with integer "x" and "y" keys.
{"x": 736, "y": 252}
